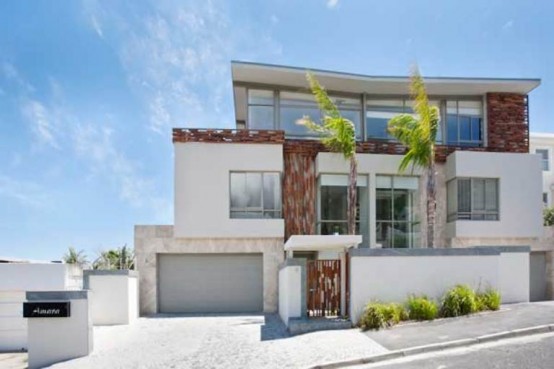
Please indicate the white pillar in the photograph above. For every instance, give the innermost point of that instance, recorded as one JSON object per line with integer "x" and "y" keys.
{"x": 372, "y": 211}
{"x": 55, "y": 339}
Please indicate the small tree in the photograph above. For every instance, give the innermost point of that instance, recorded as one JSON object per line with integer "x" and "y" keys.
{"x": 72, "y": 256}
{"x": 548, "y": 217}
{"x": 418, "y": 133}
{"x": 120, "y": 258}
{"x": 338, "y": 134}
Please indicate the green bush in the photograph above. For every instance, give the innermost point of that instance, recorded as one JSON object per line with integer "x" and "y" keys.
{"x": 548, "y": 216}
{"x": 459, "y": 300}
{"x": 488, "y": 300}
{"x": 377, "y": 315}
{"x": 422, "y": 308}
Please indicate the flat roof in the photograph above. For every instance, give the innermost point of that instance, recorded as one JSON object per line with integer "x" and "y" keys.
{"x": 279, "y": 75}
{"x": 322, "y": 242}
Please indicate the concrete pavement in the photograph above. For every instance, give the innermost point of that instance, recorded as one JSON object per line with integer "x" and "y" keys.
{"x": 509, "y": 318}
{"x": 516, "y": 353}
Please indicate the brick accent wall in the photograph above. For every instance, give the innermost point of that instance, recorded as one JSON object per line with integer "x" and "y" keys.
{"x": 508, "y": 122}
{"x": 228, "y": 135}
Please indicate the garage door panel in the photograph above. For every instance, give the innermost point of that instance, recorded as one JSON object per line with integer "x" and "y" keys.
{"x": 190, "y": 283}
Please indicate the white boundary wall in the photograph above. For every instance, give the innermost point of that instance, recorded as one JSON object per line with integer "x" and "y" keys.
{"x": 15, "y": 279}
{"x": 290, "y": 292}
{"x": 113, "y": 297}
{"x": 389, "y": 275}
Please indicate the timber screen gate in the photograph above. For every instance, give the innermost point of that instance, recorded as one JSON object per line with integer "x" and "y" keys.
{"x": 323, "y": 288}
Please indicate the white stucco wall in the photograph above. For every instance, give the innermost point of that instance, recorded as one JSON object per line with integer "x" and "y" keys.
{"x": 34, "y": 276}
{"x": 394, "y": 278}
{"x": 202, "y": 188}
{"x": 514, "y": 277}
{"x": 114, "y": 299}
{"x": 290, "y": 293}
{"x": 520, "y": 188}
{"x": 15, "y": 279}
{"x": 52, "y": 340}
{"x": 13, "y": 327}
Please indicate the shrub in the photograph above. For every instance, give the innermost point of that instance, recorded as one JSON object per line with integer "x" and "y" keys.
{"x": 488, "y": 300}
{"x": 459, "y": 300}
{"x": 548, "y": 216}
{"x": 377, "y": 315}
{"x": 422, "y": 308}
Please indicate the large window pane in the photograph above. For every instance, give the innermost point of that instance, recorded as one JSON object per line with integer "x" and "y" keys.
{"x": 478, "y": 193}
{"x": 378, "y": 114}
{"x": 272, "y": 191}
{"x": 401, "y": 205}
{"x": 334, "y": 202}
{"x": 239, "y": 197}
{"x": 473, "y": 199}
{"x": 260, "y": 97}
{"x": 254, "y": 190}
{"x": 383, "y": 204}
{"x": 465, "y": 128}
{"x": 260, "y": 117}
{"x": 463, "y": 122}
{"x": 290, "y": 116}
{"x": 464, "y": 197}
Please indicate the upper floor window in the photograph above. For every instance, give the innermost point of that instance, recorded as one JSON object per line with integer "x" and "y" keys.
{"x": 255, "y": 194}
{"x": 472, "y": 199}
{"x": 379, "y": 111}
{"x": 261, "y": 109}
{"x": 545, "y": 162}
{"x": 464, "y": 123}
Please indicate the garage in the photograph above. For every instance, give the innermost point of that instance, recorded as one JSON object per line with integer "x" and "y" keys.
{"x": 210, "y": 283}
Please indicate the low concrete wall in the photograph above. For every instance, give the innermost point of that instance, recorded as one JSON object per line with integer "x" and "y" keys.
{"x": 52, "y": 340}
{"x": 391, "y": 275}
{"x": 114, "y": 297}
{"x": 15, "y": 279}
{"x": 514, "y": 273}
{"x": 292, "y": 289}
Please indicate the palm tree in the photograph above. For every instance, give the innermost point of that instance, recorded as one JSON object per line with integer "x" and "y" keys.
{"x": 120, "y": 258}
{"x": 418, "y": 133}
{"x": 338, "y": 135}
{"x": 73, "y": 256}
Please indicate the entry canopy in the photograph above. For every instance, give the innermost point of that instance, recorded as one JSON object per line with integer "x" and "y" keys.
{"x": 322, "y": 243}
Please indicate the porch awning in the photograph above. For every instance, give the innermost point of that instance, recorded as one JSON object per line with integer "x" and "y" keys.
{"x": 321, "y": 243}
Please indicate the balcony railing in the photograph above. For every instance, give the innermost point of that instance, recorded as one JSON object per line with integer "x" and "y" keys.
{"x": 228, "y": 135}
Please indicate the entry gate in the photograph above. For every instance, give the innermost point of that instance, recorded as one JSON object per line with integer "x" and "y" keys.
{"x": 324, "y": 288}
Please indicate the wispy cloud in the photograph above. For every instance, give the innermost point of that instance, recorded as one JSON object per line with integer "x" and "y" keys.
{"x": 332, "y": 3}
{"x": 177, "y": 57}
{"x": 509, "y": 24}
{"x": 26, "y": 193}
{"x": 42, "y": 122}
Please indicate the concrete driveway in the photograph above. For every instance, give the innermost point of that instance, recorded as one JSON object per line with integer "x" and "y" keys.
{"x": 246, "y": 341}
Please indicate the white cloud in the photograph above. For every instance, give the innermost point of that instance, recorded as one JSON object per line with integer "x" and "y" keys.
{"x": 177, "y": 59}
{"x": 332, "y": 3}
{"x": 26, "y": 193}
{"x": 42, "y": 121}
{"x": 508, "y": 24}
{"x": 11, "y": 73}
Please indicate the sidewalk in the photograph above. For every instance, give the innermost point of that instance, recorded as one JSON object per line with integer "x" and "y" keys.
{"x": 508, "y": 318}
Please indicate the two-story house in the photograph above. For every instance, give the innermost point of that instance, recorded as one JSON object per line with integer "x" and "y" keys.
{"x": 542, "y": 144}
{"x": 241, "y": 193}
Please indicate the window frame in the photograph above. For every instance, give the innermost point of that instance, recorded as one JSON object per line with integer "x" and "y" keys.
{"x": 543, "y": 160}
{"x": 472, "y": 214}
{"x": 261, "y": 210}
{"x": 410, "y": 223}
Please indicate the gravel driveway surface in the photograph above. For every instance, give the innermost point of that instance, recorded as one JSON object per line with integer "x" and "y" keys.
{"x": 244, "y": 341}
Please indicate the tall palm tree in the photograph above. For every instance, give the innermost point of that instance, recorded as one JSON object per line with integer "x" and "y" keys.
{"x": 338, "y": 134}
{"x": 72, "y": 256}
{"x": 418, "y": 133}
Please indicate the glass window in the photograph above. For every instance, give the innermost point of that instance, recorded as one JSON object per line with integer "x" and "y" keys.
{"x": 396, "y": 211}
{"x": 545, "y": 162}
{"x": 333, "y": 205}
{"x": 472, "y": 199}
{"x": 464, "y": 122}
{"x": 261, "y": 109}
{"x": 255, "y": 195}
{"x": 378, "y": 114}
{"x": 545, "y": 198}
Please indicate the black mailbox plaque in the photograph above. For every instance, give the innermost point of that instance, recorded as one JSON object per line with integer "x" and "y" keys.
{"x": 46, "y": 309}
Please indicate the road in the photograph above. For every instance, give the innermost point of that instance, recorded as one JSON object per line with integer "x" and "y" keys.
{"x": 535, "y": 352}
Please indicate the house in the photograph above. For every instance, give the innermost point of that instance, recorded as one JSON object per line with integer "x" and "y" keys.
{"x": 243, "y": 195}
{"x": 542, "y": 144}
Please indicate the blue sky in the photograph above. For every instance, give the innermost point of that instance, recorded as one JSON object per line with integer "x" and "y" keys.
{"x": 89, "y": 90}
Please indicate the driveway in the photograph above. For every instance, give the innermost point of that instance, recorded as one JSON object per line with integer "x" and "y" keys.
{"x": 245, "y": 341}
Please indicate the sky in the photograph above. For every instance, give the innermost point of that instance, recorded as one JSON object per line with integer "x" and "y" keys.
{"x": 89, "y": 90}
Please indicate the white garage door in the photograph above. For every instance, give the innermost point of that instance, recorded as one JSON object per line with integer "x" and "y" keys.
{"x": 210, "y": 283}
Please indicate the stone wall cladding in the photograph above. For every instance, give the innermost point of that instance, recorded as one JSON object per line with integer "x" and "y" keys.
{"x": 153, "y": 240}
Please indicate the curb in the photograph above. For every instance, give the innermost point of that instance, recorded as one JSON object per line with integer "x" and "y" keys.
{"x": 438, "y": 347}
